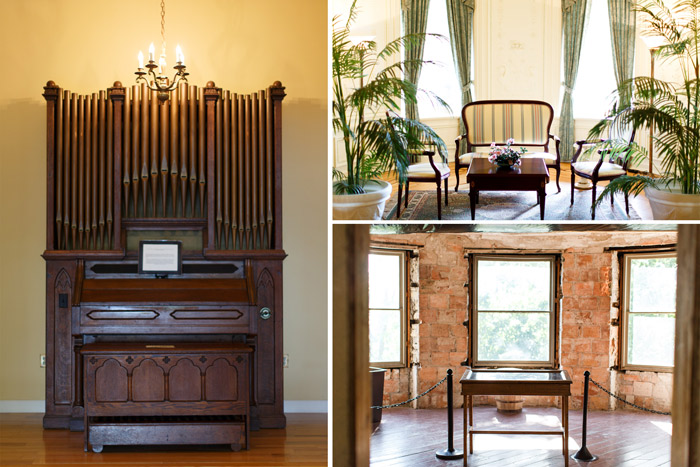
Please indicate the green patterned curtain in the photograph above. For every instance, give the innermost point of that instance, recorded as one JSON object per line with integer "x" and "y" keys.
{"x": 460, "y": 16}
{"x": 622, "y": 34}
{"x": 573, "y": 19}
{"x": 415, "y": 18}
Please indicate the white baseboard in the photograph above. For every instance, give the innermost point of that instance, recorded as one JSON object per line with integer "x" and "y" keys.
{"x": 306, "y": 406}
{"x": 22, "y": 406}
{"x": 38, "y": 406}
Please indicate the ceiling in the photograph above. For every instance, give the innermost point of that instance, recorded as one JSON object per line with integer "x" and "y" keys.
{"x": 517, "y": 228}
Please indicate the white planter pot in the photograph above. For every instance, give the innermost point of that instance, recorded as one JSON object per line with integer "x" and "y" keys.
{"x": 673, "y": 205}
{"x": 366, "y": 206}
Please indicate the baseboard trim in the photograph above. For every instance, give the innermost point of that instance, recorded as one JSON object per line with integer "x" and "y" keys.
{"x": 22, "y": 406}
{"x": 306, "y": 406}
{"x": 38, "y": 406}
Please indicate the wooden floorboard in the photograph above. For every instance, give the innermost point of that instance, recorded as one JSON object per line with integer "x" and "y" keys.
{"x": 408, "y": 437}
{"x": 304, "y": 442}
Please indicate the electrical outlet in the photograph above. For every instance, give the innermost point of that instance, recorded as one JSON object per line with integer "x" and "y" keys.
{"x": 42, "y": 361}
{"x": 285, "y": 361}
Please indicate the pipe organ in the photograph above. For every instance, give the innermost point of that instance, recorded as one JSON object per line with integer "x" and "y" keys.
{"x": 196, "y": 354}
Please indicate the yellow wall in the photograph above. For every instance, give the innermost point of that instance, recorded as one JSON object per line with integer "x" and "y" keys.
{"x": 86, "y": 45}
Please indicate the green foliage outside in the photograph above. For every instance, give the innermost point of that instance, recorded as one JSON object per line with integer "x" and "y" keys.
{"x": 513, "y": 336}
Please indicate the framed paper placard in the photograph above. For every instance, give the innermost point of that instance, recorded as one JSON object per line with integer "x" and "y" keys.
{"x": 160, "y": 257}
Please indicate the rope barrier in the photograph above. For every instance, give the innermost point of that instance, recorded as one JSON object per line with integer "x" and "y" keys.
{"x": 627, "y": 402}
{"x": 410, "y": 400}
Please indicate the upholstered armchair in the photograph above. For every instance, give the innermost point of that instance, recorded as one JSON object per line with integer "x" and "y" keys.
{"x": 599, "y": 168}
{"x": 424, "y": 171}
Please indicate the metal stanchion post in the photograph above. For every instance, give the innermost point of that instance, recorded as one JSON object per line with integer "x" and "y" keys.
{"x": 583, "y": 454}
{"x": 449, "y": 453}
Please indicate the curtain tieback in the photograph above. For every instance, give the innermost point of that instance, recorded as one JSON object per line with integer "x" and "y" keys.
{"x": 568, "y": 89}
{"x": 467, "y": 87}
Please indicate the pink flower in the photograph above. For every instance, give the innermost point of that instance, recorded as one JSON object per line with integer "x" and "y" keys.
{"x": 493, "y": 145}
{"x": 510, "y": 141}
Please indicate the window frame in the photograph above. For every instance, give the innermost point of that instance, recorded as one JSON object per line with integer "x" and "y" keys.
{"x": 625, "y": 259}
{"x": 403, "y": 304}
{"x": 555, "y": 296}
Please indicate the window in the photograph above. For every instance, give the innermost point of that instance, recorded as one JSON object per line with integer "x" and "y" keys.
{"x": 513, "y": 311}
{"x": 649, "y": 311}
{"x": 387, "y": 308}
{"x": 439, "y": 78}
{"x": 596, "y": 76}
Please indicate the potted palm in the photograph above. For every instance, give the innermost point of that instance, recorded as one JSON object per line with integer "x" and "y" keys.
{"x": 366, "y": 83}
{"x": 671, "y": 108}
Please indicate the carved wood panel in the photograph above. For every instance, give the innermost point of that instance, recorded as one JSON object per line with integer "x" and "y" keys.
{"x": 62, "y": 340}
{"x": 111, "y": 382}
{"x": 147, "y": 382}
{"x": 185, "y": 381}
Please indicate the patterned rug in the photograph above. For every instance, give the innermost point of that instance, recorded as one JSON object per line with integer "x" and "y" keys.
{"x": 508, "y": 205}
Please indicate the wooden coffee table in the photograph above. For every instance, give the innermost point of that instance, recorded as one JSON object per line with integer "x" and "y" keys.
{"x": 532, "y": 175}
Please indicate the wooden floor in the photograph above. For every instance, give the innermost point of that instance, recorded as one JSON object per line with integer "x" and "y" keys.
{"x": 304, "y": 442}
{"x": 408, "y": 437}
{"x": 639, "y": 203}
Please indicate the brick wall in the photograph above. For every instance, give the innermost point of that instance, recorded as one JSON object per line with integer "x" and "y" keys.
{"x": 589, "y": 295}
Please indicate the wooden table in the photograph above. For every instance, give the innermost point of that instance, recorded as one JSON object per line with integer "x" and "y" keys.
{"x": 532, "y": 175}
{"x": 513, "y": 383}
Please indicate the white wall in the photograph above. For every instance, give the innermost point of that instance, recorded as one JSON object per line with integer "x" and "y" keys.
{"x": 517, "y": 55}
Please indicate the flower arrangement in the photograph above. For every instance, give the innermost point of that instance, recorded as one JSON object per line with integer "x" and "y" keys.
{"x": 505, "y": 156}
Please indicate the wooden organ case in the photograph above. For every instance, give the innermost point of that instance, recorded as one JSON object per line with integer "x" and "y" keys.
{"x": 194, "y": 357}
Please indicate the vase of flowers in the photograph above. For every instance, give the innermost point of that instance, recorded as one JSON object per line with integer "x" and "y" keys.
{"x": 505, "y": 156}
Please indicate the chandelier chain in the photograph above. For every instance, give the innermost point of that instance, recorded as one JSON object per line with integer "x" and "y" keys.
{"x": 162, "y": 23}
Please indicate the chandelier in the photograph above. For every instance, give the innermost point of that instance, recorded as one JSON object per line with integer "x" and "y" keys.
{"x": 161, "y": 83}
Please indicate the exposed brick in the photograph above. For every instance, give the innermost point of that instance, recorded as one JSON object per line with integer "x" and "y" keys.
{"x": 584, "y": 288}
{"x": 439, "y": 302}
{"x": 440, "y": 330}
{"x": 590, "y": 331}
{"x": 643, "y": 389}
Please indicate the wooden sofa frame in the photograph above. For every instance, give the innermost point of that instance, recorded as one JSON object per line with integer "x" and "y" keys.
{"x": 500, "y": 137}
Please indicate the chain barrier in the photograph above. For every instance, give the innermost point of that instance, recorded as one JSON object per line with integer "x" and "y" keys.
{"x": 626, "y": 402}
{"x": 410, "y": 400}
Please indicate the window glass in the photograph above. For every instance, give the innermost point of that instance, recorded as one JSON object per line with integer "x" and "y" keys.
{"x": 514, "y": 285}
{"x": 653, "y": 285}
{"x": 439, "y": 78}
{"x": 595, "y": 82}
{"x": 513, "y": 336}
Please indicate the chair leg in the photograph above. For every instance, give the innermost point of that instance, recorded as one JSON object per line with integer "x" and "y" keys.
{"x": 627, "y": 204}
{"x": 446, "y": 203}
{"x": 439, "y": 201}
{"x": 558, "y": 173}
{"x": 405, "y": 201}
{"x": 398, "y": 205}
{"x": 457, "y": 166}
{"x": 593, "y": 205}
{"x": 573, "y": 180}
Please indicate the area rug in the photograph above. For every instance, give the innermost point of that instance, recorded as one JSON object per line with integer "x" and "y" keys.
{"x": 508, "y": 205}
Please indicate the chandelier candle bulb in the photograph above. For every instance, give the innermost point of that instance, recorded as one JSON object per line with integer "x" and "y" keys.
{"x": 179, "y": 55}
{"x": 140, "y": 60}
{"x": 151, "y": 52}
